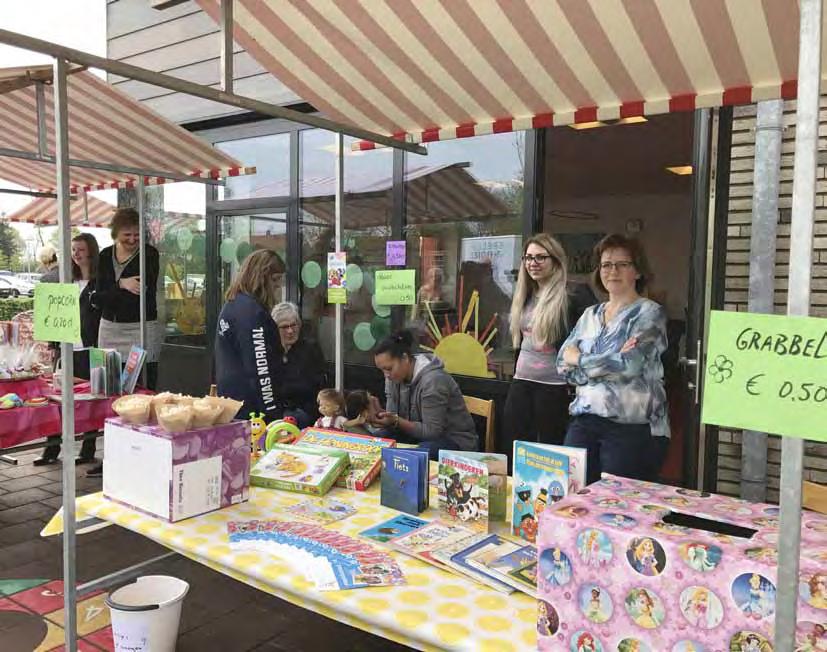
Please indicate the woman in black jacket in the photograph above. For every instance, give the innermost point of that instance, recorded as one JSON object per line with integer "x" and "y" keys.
{"x": 84, "y": 273}
{"x": 118, "y": 293}
{"x": 247, "y": 347}
{"x": 300, "y": 367}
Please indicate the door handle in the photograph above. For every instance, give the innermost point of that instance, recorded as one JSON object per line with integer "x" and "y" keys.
{"x": 694, "y": 385}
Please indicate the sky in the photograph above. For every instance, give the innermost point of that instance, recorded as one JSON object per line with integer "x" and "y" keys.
{"x": 80, "y": 24}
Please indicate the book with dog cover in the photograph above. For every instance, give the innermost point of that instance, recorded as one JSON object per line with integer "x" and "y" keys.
{"x": 542, "y": 475}
{"x": 463, "y": 490}
{"x": 497, "y": 464}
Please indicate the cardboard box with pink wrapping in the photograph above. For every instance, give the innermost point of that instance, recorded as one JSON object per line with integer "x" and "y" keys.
{"x": 634, "y": 566}
{"x": 176, "y": 475}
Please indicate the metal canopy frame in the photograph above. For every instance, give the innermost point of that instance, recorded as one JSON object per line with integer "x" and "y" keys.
{"x": 800, "y": 254}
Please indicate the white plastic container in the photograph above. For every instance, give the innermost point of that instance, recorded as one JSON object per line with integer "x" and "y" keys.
{"x": 146, "y": 613}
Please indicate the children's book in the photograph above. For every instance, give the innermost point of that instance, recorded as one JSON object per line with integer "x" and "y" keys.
{"x": 422, "y": 541}
{"x": 322, "y": 510}
{"x": 365, "y": 454}
{"x": 305, "y": 470}
{"x": 472, "y": 556}
{"x": 105, "y": 371}
{"x": 497, "y": 464}
{"x": 517, "y": 568}
{"x": 542, "y": 475}
{"x": 394, "y": 527}
{"x": 402, "y": 485}
{"x": 463, "y": 490}
{"x": 445, "y": 555}
{"x": 132, "y": 369}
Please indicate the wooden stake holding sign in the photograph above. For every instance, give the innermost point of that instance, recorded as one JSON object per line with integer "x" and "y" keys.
{"x": 767, "y": 373}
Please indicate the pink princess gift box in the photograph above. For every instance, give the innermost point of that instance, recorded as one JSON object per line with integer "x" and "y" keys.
{"x": 176, "y": 475}
{"x": 633, "y": 566}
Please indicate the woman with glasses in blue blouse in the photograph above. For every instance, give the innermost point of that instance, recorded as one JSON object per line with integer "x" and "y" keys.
{"x": 613, "y": 357}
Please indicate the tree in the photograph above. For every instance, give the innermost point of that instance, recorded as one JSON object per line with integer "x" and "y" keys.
{"x": 11, "y": 246}
{"x": 54, "y": 239}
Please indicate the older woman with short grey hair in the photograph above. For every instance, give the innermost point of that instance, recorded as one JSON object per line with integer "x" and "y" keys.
{"x": 300, "y": 368}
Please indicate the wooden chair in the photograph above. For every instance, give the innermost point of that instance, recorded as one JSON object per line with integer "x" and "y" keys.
{"x": 485, "y": 409}
{"x": 814, "y": 497}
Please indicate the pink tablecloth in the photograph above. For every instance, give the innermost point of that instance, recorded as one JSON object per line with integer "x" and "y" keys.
{"x": 25, "y": 424}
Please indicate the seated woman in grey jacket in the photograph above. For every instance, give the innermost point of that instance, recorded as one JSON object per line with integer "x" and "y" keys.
{"x": 424, "y": 403}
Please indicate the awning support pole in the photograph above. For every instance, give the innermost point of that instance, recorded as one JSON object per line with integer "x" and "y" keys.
{"x": 109, "y": 167}
{"x": 66, "y": 359}
{"x": 798, "y": 303}
{"x": 40, "y": 100}
{"x": 199, "y": 90}
{"x": 227, "y": 46}
{"x": 141, "y": 207}
{"x": 28, "y": 193}
{"x": 765, "y": 180}
{"x": 340, "y": 198}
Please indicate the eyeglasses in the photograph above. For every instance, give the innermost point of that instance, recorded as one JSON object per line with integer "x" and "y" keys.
{"x": 539, "y": 258}
{"x": 620, "y": 266}
{"x": 289, "y": 327}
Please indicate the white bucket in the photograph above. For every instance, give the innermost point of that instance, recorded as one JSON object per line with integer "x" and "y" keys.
{"x": 146, "y": 613}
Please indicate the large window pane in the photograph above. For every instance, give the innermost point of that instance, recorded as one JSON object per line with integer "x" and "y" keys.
{"x": 270, "y": 155}
{"x": 366, "y": 227}
{"x": 464, "y": 204}
{"x": 177, "y": 227}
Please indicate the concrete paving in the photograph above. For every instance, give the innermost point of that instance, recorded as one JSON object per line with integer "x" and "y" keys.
{"x": 220, "y": 614}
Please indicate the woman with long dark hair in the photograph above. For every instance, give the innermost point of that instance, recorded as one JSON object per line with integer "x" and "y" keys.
{"x": 84, "y": 273}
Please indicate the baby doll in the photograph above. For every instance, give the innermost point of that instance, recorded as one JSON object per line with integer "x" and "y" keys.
{"x": 332, "y": 408}
{"x": 360, "y": 410}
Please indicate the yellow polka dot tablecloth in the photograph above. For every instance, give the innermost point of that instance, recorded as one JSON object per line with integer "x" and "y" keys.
{"x": 435, "y": 610}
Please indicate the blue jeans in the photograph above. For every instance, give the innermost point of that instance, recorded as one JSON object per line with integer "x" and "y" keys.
{"x": 623, "y": 449}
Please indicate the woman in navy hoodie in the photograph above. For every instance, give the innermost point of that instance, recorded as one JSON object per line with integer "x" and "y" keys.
{"x": 246, "y": 343}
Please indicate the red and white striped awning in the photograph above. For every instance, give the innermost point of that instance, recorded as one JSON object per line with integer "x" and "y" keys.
{"x": 434, "y": 69}
{"x": 94, "y": 213}
{"x": 105, "y": 126}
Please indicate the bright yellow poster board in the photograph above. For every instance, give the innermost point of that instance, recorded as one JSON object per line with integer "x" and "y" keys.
{"x": 395, "y": 287}
{"x": 57, "y": 312}
{"x": 767, "y": 373}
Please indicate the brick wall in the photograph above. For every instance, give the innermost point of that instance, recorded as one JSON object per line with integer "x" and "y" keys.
{"x": 737, "y": 273}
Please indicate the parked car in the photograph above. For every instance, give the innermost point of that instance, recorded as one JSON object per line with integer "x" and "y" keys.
{"x": 29, "y": 277}
{"x": 16, "y": 287}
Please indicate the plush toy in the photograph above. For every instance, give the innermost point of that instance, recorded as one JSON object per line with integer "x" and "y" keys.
{"x": 9, "y": 401}
{"x": 258, "y": 428}
{"x": 283, "y": 431}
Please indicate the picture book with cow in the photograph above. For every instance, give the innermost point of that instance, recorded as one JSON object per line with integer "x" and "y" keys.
{"x": 463, "y": 490}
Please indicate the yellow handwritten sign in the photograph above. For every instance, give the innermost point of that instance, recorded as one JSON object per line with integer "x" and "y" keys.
{"x": 767, "y": 373}
{"x": 395, "y": 287}
{"x": 57, "y": 312}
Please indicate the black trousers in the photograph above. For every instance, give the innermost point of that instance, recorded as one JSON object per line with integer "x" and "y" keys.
{"x": 535, "y": 412}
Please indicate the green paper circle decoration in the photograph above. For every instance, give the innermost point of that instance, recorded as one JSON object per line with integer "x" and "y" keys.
{"x": 311, "y": 274}
{"x": 354, "y": 277}
{"x": 184, "y": 239}
{"x": 368, "y": 282}
{"x": 243, "y": 250}
{"x": 227, "y": 250}
{"x": 380, "y": 328}
{"x": 362, "y": 337}
{"x": 381, "y": 311}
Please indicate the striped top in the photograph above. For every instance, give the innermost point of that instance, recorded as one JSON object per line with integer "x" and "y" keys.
{"x": 624, "y": 387}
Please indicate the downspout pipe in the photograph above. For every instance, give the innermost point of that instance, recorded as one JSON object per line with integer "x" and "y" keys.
{"x": 769, "y": 129}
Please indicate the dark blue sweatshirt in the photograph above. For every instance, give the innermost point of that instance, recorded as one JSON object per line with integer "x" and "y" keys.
{"x": 246, "y": 354}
